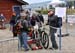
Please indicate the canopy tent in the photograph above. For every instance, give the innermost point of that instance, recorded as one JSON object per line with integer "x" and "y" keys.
{"x": 56, "y": 3}
{"x": 70, "y": 0}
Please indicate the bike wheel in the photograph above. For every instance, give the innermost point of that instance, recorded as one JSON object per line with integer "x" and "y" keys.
{"x": 45, "y": 40}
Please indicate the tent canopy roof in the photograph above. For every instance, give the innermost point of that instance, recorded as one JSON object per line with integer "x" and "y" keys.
{"x": 57, "y": 2}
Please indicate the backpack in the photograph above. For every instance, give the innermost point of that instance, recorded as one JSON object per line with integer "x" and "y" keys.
{"x": 58, "y": 22}
{"x": 33, "y": 22}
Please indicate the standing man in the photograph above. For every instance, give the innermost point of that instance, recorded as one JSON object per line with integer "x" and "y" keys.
{"x": 52, "y": 22}
{"x": 23, "y": 24}
{"x": 12, "y": 24}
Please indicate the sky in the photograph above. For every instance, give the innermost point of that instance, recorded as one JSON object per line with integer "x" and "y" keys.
{"x": 35, "y": 1}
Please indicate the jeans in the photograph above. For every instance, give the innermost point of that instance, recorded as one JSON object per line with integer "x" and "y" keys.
{"x": 24, "y": 36}
{"x": 20, "y": 40}
{"x": 12, "y": 28}
{"x": 52, "y": 33}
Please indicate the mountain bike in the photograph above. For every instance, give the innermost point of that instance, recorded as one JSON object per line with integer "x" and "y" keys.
{"x": 44, "y": 38}
{"x": 40, "y": 37}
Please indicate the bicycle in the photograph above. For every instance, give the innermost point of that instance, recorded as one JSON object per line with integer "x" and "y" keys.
{"x": 41, "y": 36}
{"x": 44, "y": 37}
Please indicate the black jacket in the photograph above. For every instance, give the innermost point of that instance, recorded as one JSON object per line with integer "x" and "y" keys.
{"x": 53, "y": 20}
{"x": 41, "y": 18}
{"x": 34, "y": 20}
{"x": 13, "y": 20}
{"x": 24, "y": 23}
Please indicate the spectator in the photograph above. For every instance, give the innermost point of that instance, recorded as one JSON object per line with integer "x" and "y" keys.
{"x": 2, "y": 20}
{"x": 23, "y": 24}
{"x": 12, "y": 24}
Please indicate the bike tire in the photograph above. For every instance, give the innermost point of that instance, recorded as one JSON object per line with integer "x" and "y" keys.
{"x": 45, "y": 40}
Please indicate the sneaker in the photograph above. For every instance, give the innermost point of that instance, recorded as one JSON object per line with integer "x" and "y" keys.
{"x": 56, "y": 48}
{"x": 51, "y": 48}
{"x": 26, "y": 49}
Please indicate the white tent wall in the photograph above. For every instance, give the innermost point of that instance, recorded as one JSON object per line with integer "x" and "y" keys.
{"x": 56, "y": 3}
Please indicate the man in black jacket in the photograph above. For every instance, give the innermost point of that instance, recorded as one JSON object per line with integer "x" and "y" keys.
{"x": 52, "y": 22}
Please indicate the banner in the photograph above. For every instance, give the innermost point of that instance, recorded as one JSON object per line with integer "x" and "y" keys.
{"x": 60, "y": 11}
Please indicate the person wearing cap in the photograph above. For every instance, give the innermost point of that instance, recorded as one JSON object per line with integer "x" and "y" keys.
{"x": 23, "y": 24}
{"x": 52, "y": 22}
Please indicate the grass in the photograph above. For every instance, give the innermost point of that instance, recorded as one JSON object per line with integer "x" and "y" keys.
{"x": 69, "y": 11}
